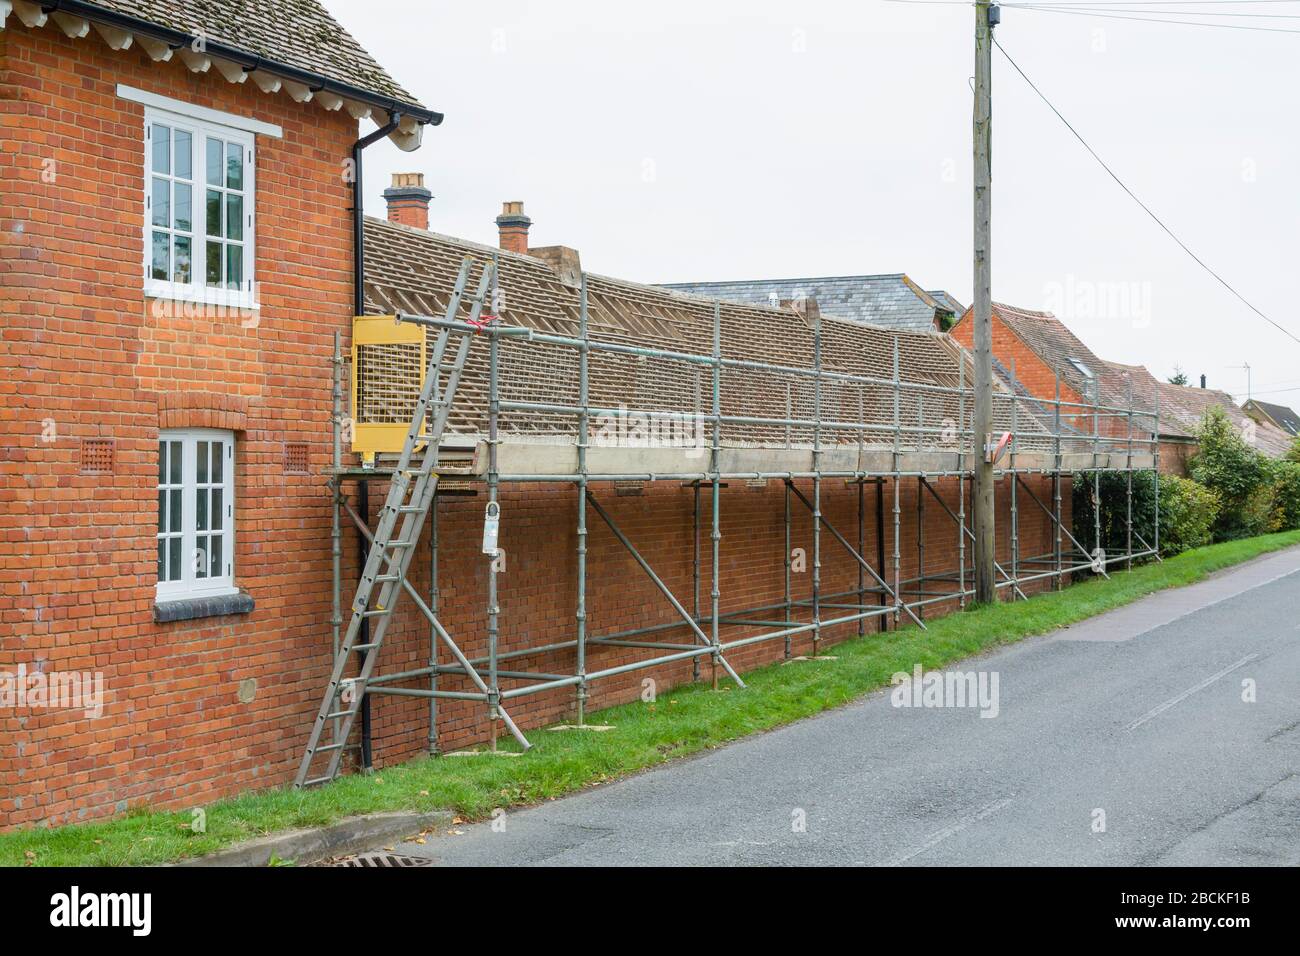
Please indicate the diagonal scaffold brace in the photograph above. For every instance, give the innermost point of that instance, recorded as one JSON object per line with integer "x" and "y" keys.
{"x": 686, "y": 616}
{"x": 862, "y": 562}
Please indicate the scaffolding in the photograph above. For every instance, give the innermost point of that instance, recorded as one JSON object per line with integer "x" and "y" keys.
{"x": 831, "y": 431}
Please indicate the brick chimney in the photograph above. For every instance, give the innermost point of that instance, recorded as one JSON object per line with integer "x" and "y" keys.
{"x": 564, "y": 262}
{"x": 513, "y": 225}
{"x": 408, "y": 200}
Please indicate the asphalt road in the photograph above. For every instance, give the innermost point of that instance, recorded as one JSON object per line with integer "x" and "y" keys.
{"x": 1138, "y": 714}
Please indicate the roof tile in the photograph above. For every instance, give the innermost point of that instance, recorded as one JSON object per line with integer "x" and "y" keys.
{"x": 297, "y": 33}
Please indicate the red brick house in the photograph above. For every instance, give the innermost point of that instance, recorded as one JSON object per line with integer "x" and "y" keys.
{"x": 1045, "y": 355}
{"x": 178, "y": 258}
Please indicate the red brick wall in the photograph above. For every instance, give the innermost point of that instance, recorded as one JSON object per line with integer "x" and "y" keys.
{"x": 82, "y": 352}
{"x": 1174, "y": 456}
{"x": 83, "y": 356}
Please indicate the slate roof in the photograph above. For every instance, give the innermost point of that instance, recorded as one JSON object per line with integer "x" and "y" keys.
{"x": 296, "y": 33}
{"x": 889, "y": 301}
{"x": 412, "y": 270}
{"x": 1279, "y": 415}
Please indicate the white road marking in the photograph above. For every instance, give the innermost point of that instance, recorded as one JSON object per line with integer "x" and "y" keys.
{"x": 1156, "y": 712}
{"x": 962, "y": 824}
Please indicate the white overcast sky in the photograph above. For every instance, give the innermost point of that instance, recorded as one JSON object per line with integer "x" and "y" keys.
{"x": 704, "y": 140}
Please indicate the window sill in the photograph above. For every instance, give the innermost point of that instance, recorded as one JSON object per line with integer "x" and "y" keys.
{"x": 189, "y": 609}
{"x": 240, "y": 299}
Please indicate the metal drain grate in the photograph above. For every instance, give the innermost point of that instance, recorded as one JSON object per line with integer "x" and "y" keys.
{"x": 379, "y": 859}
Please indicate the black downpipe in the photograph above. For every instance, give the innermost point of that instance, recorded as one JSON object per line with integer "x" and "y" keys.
{"x": 358, "y": 308}
{"x": 359, "y": 213}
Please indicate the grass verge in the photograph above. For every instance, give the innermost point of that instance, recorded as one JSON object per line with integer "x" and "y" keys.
{"x": 683, "y": 721}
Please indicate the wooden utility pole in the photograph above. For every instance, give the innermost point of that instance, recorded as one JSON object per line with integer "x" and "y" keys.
{"x": 985, "y": 589}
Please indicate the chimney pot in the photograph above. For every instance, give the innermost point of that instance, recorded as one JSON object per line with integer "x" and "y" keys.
{"x": 512, "y": 227}
{"x": 408, "y": 200}
{"x": 1202, "y": 381}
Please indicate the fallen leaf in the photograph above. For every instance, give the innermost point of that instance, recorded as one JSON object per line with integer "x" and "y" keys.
{"x": 421, "y": 841}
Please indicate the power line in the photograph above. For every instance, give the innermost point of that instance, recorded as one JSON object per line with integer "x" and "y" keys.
{"x": 1154, "y": 3}
{"x": 1281, "y": 386}
{"x": 1114, "y": 16}
{"x": 1132, "y": 195}
{"x": 1273, "y": 391}
{"x": 1092, "y": 11}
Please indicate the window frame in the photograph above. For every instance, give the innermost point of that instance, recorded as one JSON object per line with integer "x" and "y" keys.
{"x": 198, "y": 290}
{"x": 190, "y": 584}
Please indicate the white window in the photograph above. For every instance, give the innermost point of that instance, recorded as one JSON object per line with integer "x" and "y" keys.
{"x": 199, "y": 201}
{"x": 196, "y": 513}
{"x": 1081, "y": 368}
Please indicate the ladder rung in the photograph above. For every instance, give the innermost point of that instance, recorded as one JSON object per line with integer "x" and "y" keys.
{"x": 413, "y": 485}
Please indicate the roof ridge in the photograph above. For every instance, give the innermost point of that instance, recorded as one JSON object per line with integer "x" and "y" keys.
{"x": 871, "y": 275}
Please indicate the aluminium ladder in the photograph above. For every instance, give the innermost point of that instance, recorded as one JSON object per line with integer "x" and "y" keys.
{"x": 411, "y": 493}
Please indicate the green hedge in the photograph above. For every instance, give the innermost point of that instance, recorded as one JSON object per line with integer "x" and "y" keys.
{"x": 1233, "y": 492}
{"x": 1188, "y": 513}
{"x": 1286, "y": 495}
{"x": 1239, "y": 474}
{"x": 1113, "y": 489}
